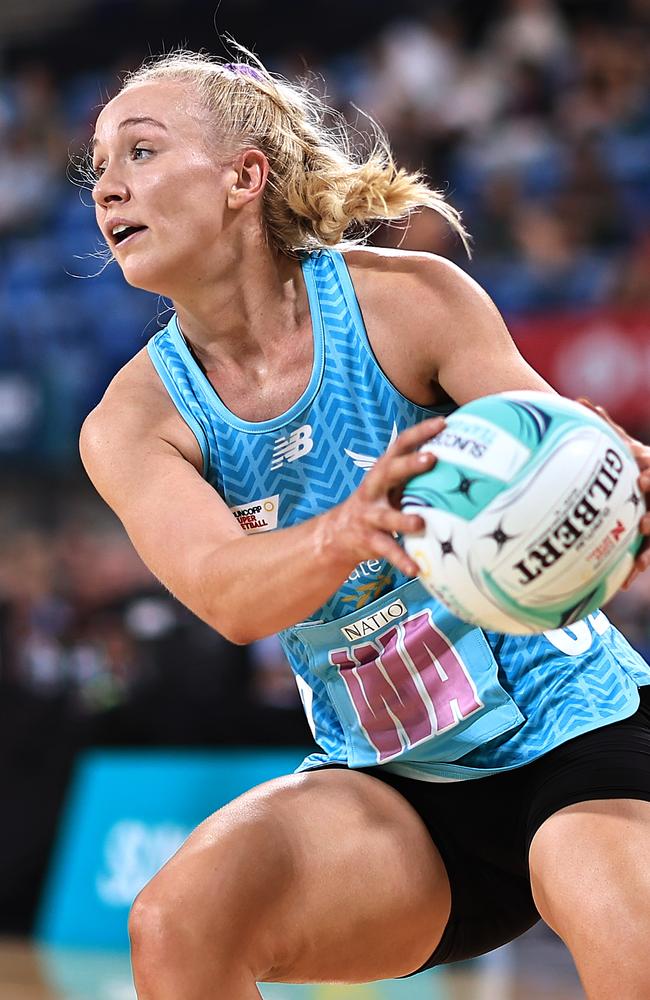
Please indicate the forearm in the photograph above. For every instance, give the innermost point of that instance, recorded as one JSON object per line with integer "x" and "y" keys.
{"x": 257, "y": 586}
{"x": 263, "y": 583}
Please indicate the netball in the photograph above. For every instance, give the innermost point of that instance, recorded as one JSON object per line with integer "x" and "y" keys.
{"x": 531, "y": 513}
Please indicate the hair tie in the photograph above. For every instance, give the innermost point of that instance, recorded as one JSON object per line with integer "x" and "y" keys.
{"x": 243, "y": 69}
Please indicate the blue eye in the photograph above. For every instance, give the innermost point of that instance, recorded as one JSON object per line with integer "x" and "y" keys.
{"x": 135, "y": 153}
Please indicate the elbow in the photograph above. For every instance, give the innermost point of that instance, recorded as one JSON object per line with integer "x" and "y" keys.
{"x": 243, "y": 635}
{"x": 227, "y": 609}
{"x": 235, "y": 636}
{"x": 230, "y": 628}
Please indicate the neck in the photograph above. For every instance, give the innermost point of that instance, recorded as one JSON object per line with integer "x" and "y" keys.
{"x": 245, "y": 311}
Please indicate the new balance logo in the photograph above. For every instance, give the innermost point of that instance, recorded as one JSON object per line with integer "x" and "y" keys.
{"x": 297, "y": 445}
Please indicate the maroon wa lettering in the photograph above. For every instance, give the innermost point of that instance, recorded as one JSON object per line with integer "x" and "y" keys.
{"x": 379, "y": 675}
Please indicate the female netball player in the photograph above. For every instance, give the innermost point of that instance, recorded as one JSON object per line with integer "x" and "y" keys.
{"x": 468, "y": 782}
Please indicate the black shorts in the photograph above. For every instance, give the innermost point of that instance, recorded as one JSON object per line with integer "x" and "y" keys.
{"x": 483, "y": 828}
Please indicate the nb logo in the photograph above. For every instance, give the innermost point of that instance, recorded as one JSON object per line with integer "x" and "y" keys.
{"x": 297, "y": 445}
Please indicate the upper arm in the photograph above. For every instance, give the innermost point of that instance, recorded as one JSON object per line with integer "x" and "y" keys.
{"x": 434, "y": 328}
{"x": 174, "y": 518}
{"x": 472, "y": 352}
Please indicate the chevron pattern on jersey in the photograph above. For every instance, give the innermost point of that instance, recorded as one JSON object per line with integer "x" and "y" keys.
{"x": 313, "y": 457}
{"x": 328, "y": 731}
{"x": 562, "y": 695}
{"x": 355, "y": 408}
{"x": 179, "y": 384}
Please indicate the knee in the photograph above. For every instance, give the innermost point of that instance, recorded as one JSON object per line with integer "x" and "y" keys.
{"x": 154, "y": 925}
{"x": 606, "y": 930}
{"x": 151, "y": 931}
{"x": 231, "y": 871}
{"x": 170, "y": 932}
{"x": 171, "y": 947}
{"x": 607, "y": 938}
{"x": 610, "y": 921}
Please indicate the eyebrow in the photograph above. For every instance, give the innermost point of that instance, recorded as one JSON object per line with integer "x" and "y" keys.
{"x": 142, "y": 120}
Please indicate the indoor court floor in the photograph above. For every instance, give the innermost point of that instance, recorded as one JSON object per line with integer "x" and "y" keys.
{"x": 537, "y": 967}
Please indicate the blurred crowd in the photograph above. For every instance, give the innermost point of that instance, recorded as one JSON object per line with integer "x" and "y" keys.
{"x": 541, "y": 130}
{"x": 532, "y": 115}
{"x": 84, "y": 626}
{"x": 94, "y": 653}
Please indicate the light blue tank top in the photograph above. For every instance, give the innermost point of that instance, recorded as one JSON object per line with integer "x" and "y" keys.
{"x": 386, "y": 674}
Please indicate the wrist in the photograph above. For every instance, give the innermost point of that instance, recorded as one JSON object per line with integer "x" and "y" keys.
{"x": 330, "y": 550}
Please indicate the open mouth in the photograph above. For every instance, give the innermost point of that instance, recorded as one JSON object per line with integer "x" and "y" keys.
{"x": 124, "y": 233}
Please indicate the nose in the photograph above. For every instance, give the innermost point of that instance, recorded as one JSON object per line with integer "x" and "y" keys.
{"x": 109, "y": 188}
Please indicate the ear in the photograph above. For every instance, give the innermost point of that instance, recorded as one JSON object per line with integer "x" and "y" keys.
{"x": 252, "y": 168}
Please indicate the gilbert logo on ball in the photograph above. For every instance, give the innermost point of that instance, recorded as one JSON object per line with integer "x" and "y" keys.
{"x": 531, "y": 512}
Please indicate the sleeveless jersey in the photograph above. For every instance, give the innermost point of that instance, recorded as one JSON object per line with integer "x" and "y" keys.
{"x": 386, "y": 674}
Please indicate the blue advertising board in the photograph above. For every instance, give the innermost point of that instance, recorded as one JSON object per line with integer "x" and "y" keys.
{"x": 126, "y": 814}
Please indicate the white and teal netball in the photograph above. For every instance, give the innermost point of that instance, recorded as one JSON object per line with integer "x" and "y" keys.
{"x": 531, "y": 513}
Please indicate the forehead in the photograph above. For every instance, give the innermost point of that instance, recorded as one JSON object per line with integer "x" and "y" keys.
{"x": 172, "y": 103}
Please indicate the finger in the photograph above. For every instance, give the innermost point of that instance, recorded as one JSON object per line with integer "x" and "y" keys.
{"x": 394, "y": 522}
{"x": 602, "y": 412}
{"x": 642, "y": 561}
{"x": 415, "y": 436}
{"x": 644, "y": 525}
{"x": 384, "y": 547}
{"x": 644, "y": 465}
{"x": 640, "y": 451}
{"x": 391, "y": 472}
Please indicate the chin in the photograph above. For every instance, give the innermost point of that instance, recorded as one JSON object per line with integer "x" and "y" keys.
{"x": 148, "y": 279}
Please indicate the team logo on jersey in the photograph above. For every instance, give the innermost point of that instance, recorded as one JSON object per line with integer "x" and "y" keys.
{"x": 288, "y": 449}
{"x": 366, "y": 462}
{"x": 368, "y": 592}
{"x": 258, "y": 515}
{"x": 366, "y": 626}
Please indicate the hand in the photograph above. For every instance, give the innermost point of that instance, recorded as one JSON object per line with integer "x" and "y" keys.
{"x": 641, "y": 453}
{"x": 363, "y": 526}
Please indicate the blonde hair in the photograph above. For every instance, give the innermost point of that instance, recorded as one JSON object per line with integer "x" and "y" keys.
{"x": 320, "y": 191}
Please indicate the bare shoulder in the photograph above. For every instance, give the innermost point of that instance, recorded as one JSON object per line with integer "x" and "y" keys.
{"x": 431, "y": 320}
{"x": 135, "y": 415}
{"x": 397, "y": 280}
{"x": 419, "y": 309}
{"x": 401, "y": 274}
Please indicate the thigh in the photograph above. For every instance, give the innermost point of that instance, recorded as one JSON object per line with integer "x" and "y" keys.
{"x": 592, "y": 856}
{"x": 325, "y": 876}
{"x": 596, "y": 787}
{"x": 590, "y": 838}
{"x": 591, "y": 882}
{"x": 479, "y": 829}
